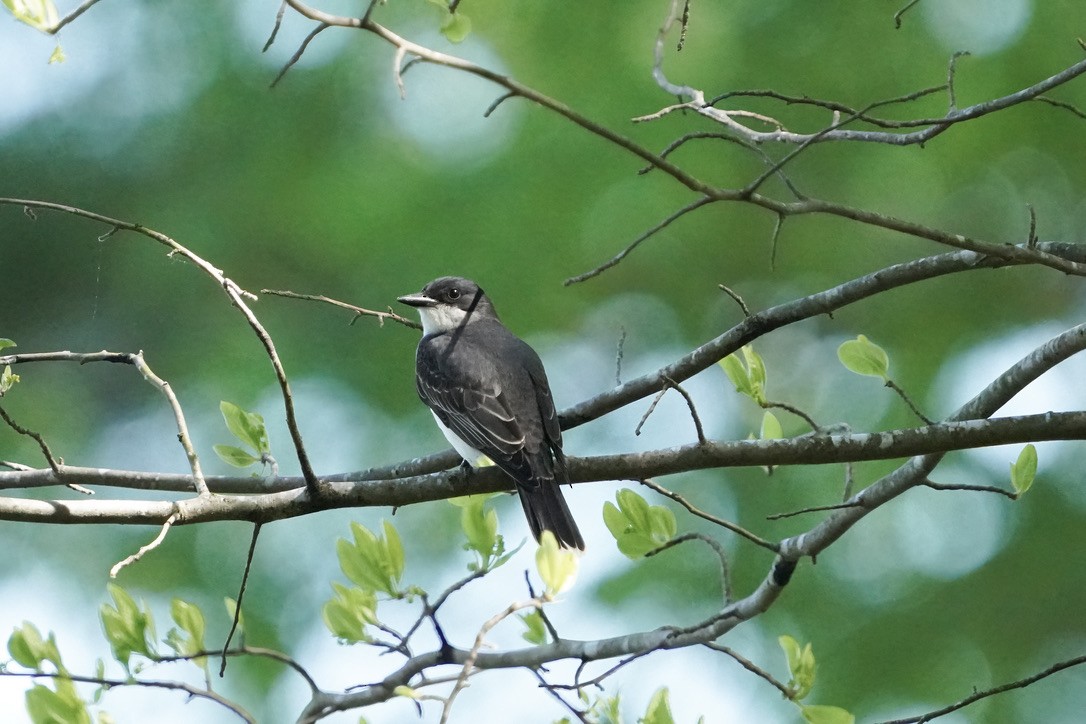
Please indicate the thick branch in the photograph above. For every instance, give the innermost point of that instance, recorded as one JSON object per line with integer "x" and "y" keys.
{"x": 782, "y": 315}
{"x": 811, "y": 449}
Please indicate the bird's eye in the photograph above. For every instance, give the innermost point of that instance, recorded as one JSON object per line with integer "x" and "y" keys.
{"x": 453, "y": 293}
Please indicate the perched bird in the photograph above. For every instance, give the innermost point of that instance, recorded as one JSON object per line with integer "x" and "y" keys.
{"x": 489, "y": 395}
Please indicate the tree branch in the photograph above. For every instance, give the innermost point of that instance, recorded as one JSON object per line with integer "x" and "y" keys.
{"x": 237, "y": 297}
{"x": 811, "y": 449}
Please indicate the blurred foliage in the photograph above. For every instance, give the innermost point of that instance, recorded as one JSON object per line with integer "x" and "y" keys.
{"x": 318, "y": 186}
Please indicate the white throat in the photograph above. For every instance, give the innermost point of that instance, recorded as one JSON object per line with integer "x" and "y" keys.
{"x": 441, "y": 318}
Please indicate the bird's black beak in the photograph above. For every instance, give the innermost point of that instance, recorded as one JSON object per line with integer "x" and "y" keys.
{"x": 417, "y": 300}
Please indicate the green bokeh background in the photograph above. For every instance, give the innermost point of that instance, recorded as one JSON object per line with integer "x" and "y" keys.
{"x": 318, "y": 186}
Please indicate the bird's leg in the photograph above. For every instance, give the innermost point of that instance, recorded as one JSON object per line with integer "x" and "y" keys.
{"x": 462, "y": 474}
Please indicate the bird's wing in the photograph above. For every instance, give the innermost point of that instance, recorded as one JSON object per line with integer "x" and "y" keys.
{"x": 473, "y": 407}
{"x": 547, "y": 413}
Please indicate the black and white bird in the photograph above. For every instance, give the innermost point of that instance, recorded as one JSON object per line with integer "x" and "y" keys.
{"x": 489, "y": 395}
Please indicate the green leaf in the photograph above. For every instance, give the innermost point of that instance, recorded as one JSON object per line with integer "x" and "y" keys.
{"x": 821, "y": 714}
{"x": 480, "y": 526}
{"x": 46, "y": 706}
{"x": 771, "y": 427}
{"x": 99, "y": 673}
{"x": 1024, "y": 470}
{"x": 393, "y": 549}
{"x": 456, "y": 27}
{"x": 38, "y": 14}
{"x": 248, "y": 427}
{"x": 234, "y": 456}
{"x": 636, "y": 526}
{"x": 662, "y": 523}
{"x": 659, "y": 710}
{"x": 737, "y": 373}
{"x": 190, "y": 622}
{"x": 801, "y": 665}
{"x": 128, "y": 629}
{"x": 24, "y": 646}
{"x": 29, "y": 649}
{"x": 749, "y": 375}
{"x": 348, "y": 613}
{"x": 370, "y": 562}
{"x": 7, "y": 380}
{"x": 864, "y": 357}
{"x": 557, "y": 566}
{"x": 604, "y": 710}
{"x": 4, "y": 341}
{"x": 755, "y": 368}
{"x": 535, "y": 630}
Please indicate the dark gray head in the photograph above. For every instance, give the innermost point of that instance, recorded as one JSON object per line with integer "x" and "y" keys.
{"x": 448, "y": 302}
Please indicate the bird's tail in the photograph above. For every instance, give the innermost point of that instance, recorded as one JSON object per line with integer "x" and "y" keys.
{"x": 546, "y": 509}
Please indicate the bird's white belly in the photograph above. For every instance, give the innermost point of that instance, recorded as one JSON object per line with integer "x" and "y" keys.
{"x": 466, "y": 451}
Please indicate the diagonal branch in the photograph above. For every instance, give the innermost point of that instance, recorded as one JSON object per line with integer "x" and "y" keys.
{"x": 978, "y": 695}
{"x": 237, "y": 297}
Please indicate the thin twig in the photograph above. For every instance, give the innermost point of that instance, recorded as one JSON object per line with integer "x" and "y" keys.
{"x": 241, "y": 594}
{"x": 257, "y": 651}
{"x": 722, "y": 555}
{"x": 398, "y": 70}
{"x": 53, "y": 464}
{"x": 768, "y": 545}
{"x": 751, "y": 667}
{"x": 964, "y": 486}
{"x": 652, "y": 408}
{"x": 358, "y": 311}
{"x": 138, "y": 361}
{"x": 430, "y": 610}
{"x": 237, "y": 296}
{"x": 595, "y": 681}
{"x": 815, "y": 509}
{"x": 275, "y": 28}
{"x": 738, "y": 299}
{"x": 684, "y": 25}
{"x": 121, "y": 565}
{"x": 815, "y": 427}
{"x": 774, "y": 239}
{"x": 179, "y": 418}
{"x": 704, "y": 200}
{"x": 553, "y": 691}
{"x": 480, "y": 639}
{"x": 36, "y": 437}
{"x": 1062, "y": 104}
{"x": 908, "y": 401}
{"x": 690, "y": 404}
{"x": 618, "y": 355}
{"x": 849, "y": 481}
{"x": 501, "y": 99}
{"x": 902, "y": 11}
{"x": 192, "y": 691}
{"x": 951, "y": 70}
{"x": 1031, "y": 239}
{"x": 977, "y": 696}
{"x": 297, "y": 53}
{"x": 87, "y": 4}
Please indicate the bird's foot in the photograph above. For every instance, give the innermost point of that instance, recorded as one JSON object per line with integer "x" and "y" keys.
{"x": 462, "y": 474}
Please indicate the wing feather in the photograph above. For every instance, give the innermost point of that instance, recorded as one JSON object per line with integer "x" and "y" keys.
{"x": 477, "y": 410}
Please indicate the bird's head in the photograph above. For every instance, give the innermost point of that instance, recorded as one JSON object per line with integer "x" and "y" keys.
{"x": 449, "y": 302}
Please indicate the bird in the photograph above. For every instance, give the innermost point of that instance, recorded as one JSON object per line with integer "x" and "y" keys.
{"x": 489, "y": 395}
